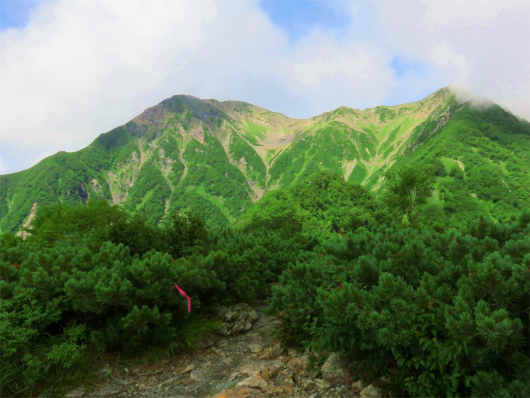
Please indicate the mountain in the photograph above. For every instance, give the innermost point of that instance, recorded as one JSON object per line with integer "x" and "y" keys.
{"x": 223, "y": 156}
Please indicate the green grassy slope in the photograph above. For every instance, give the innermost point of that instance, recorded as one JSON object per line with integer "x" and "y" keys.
{"x": 480, "y": 160}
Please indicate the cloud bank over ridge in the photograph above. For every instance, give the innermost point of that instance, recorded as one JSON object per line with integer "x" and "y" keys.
{"x": 78, "y": 69}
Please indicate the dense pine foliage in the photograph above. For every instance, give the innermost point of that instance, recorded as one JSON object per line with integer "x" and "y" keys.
{"x": 445, "y": 312}
{"x": 94, "y": 278}
{"x": 442, "y": 309}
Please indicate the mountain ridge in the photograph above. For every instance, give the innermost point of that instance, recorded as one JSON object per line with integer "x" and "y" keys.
{"x": 223, "y": 156}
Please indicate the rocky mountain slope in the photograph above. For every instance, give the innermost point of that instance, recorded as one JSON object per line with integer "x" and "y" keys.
{"x": 223, "y": 156}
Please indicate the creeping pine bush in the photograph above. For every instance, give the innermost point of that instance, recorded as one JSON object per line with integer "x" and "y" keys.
{"x": 66, "y": 293}
{"x": 446, "y": 312}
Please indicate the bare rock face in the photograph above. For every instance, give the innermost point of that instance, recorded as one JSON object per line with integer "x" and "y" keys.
{"x": 237, "y": 319}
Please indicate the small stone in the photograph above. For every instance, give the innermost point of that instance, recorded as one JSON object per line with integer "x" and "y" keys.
{"x": 253, "y": 382}
{"x": 136, "y": 371}
{"x": 255, "y": 348}
{"x": 357, "y": 386}
{"x": 105, "y": 371}
{"x": 207, "y": 343}
{"x": 168, "y": 381}
{"x": 237, "y": 319}
{"x": 244, "y": 392}
{"x": 322, "y": 384}
{"x": 310, "y": 385}
{"x": 251, "y": 368}
{"x": 284, "y": 379}
{"x": 299, "y": 362}
{"x": 270, "y": 369}
{"x": 110, "y": 390}
{"x": 370, "y": 392}
{"x": 124, "y": 382}
{"x": 273, "y": 352}
{"x": 198, "y": 376}
{"x": 142, "y": 387}
{"x": 334, "y": 367}
{"x": 77, "y": 393}
{"x": 185, "y": 369}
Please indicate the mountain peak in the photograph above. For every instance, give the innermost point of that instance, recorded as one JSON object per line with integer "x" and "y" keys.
{"x": 223, "y": 155}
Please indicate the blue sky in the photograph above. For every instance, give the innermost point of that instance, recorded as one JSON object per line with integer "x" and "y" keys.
{"x": 71, "y": 70}
{"x": 295, "y": 16}
{"x": 15, "y": 13}
{"x": 298, "y": 17}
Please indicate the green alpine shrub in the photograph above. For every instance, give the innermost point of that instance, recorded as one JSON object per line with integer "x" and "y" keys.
{"x": 448, "y": 311}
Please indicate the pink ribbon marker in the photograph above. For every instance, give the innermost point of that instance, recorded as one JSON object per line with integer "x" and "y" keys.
{"x": 182, "y": 293}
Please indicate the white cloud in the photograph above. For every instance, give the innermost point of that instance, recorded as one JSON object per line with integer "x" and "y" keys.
{"x": 477, "y": 44}
{"x": 470, "y": 13}
{"x": 443, "y": 55}
{"x": 82, "y": 67}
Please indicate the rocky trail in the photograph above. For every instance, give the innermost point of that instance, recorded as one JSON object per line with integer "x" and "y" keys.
{"x": 244, "y": 361}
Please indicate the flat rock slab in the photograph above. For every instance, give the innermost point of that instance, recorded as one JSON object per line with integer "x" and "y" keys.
{"x": 241, "y": 393}
{"x": 370, "y": 392}
{"x": 106, "y": 391}
{"x": 254, "y": 348}
{"x": 198, "y": 376}
{"x": 77, "y": 393}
